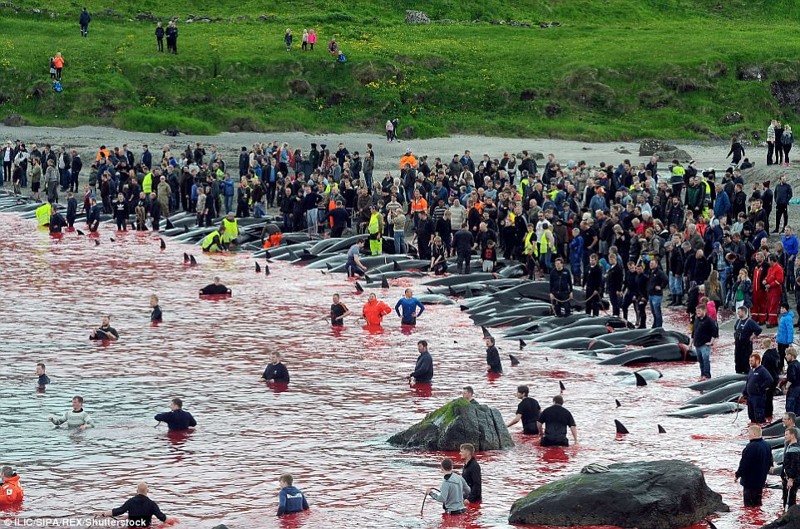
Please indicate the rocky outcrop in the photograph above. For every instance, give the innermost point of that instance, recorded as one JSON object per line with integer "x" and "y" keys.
{"x": 731, "y": 118}
{"x": 790, "y": 520}
{"x": 676, "y": 154}
{"x": 417, "y": 17}
{"x": 650, "y": 147}
{"x": 787, "y": 94}
{"x": 646, "y": 495}
{"x": 15, "y": 120}
{"x": 457, "y": 422}
{"x": 751, "y": 73}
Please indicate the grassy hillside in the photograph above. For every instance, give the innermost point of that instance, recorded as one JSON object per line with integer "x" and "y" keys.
{"x": 615, "y": 69}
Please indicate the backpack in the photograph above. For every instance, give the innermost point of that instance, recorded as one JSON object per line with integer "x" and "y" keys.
{"x": 342, "y": 58}
{"x": 57, "y": 86}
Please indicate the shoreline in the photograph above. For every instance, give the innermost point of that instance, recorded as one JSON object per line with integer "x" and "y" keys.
{"x": 87, "y": 140}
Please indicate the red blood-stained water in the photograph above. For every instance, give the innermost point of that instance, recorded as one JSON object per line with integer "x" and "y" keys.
{"x": 329, "y": 427}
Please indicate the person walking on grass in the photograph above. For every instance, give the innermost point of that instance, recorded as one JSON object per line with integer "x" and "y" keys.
{"x": 312, "y": 38}
{"x": 84, "y": 20}
{"x": 287, "y": 38}
{"x": 160, "y": 37}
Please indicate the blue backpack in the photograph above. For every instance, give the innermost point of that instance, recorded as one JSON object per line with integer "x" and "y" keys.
{"x": 57, "y": 86}
{"x": 342, "y": 58}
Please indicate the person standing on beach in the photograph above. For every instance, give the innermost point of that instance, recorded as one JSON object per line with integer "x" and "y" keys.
{"x": 771, "y": 141}
{"x": 84, "y": 20}
{"x": 159, "y": 42}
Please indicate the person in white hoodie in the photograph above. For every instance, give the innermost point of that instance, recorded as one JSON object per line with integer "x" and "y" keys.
{"x": 76, "y": 417}
{"x": 453, "y": 490}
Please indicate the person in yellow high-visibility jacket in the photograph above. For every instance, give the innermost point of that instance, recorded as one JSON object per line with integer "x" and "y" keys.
{"x": 530, "y": 251}
{"x": 231, "y": 226}
{"x": 43, "y": 213}
{"x": 546, "y": 244}
{"x": 213, "y": 241}
{"x": 147, "y": 183}
{"x": 375, "y": 228}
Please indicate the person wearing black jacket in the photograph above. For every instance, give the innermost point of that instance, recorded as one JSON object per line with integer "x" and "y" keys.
{"x": 121, "y": 213}
{"x": 561, "y": 289}
{"x": 276, "y": 371}
{"x": 745, "y": 329}
{"x": 642, "y": 280}
{"x": 656, "y": 284}
{"x": 676, "y": 265}
{"x": 140, "y": 509}
{"x": 783, "y": 194}
{"x": 75, "y": 172}
{"x": 72, "y": 209}
{"x": 423, "y": 370}
{"x": 493, "y": 357}
{"x": 704, "y": 332}
{"x": 753, "y": 467}
{"x": 463, "y": 242}
{"x": 593, "y": 286}
{"x": 615, "y": 278}
{"x": 172, "y": 37}
{"x": 771, "y": 361}
{"x": 755, "y": 391}
{"x": 83, "y": 21}
{"x": 471, "y": 473}
{"x": 790, "y": 475}
{"x": 177, "y": 418}
{"x": 630, "y": 289}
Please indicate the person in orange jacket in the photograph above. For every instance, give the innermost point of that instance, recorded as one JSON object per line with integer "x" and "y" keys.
{"x": 774, "y": 287}
{"x": 11, "y": 491}
{"x": 409, "y": 159}
{"x": 375, "y": 310}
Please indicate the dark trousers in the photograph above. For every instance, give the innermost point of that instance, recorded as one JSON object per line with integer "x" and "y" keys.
{"x": 768, "y": 400}
{"x": 160, "y": 44}
{"x": 271, "y": 188}
{"x": 546, "y": 441}
{"x": 752, "y": 497}
{"x": 641, "y": 313}
{"x": 73, "y": 181}
{"x": 770, "y": 152}
{"x": 755, "y": 408}
{"x": 562, "y": 308}
{"x": 462, "y": 261}
{"x": 786, "y": 149}
{"x": 84, "y": 30}
{"x": 781, "y": 211}
{"x": 7, "y": 171}
{"x": 789, "y": 494}
{"x": 122, "y": 224}
{"x": 778, "y": 151}
{"x": 741, "y": 356}
{"x": 616, "y": 302}
{"x": 627, "y": 300}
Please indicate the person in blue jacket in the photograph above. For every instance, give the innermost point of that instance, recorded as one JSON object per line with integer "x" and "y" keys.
{"x": 409, "y": 304}
{"x": 227, "y": 193}
{"x": 753, "y": 467}
{"x": 576, "y": 255}
{"x": 177, "y": 419}
{"x": 785, "y": 336}
{"x": 722, "y": 204}
{"x": 423, "y": 370}
{"x": 290, "y": 498}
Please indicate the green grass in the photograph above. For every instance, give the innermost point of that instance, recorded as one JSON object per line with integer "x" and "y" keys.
{"x": 614, "y": 70}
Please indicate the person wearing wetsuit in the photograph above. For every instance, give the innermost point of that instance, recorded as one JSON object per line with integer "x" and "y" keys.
{"x": 140, "y": 509}
{"x": 276, "y": 371}
{"x": 43, "y": 378}
{"x": 338, "y": 311}
{"x": 423, "y": 370}
{"x": 155, "y": 315}
{"x": 528, "y": 412}
{"x": 553, "y": 424}
{"x": 177, "y": 418}
{"x": 57, "y": 222}
{"x": 216, "y": 288}
{"x": 105, "y": 331}
{"x": 409, "y": 304}
{"x": 493, "y": 357}
{"x": 93, "y": 216}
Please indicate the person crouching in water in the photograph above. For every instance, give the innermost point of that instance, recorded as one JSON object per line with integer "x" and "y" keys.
{"x": 453, "y": 490}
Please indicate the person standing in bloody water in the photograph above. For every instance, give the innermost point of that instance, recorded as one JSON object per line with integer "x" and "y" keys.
{"x": 375, "y": 310}
{"x": 773, "y": 284}
{"x": 760, "y": 270}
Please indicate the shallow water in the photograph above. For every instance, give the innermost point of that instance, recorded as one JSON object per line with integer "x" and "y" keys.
{"x": 347, "y": 396}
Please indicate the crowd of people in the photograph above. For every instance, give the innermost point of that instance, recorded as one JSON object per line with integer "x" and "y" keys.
{"x": 628, "y": 234}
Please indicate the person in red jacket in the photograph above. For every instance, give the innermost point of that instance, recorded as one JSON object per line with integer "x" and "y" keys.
{"x": 760, "y": 269}
{"x": 375, "y": 310}
{"x": 774, "y": 287}
{"x": 11, "y": 491}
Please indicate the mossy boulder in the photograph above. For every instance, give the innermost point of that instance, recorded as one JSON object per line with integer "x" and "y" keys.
{"x": 459, "y": 421}
{"x": 647, "y": 495}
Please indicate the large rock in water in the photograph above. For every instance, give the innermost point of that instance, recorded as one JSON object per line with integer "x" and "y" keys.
{"x": 647, "y": 495}
{"x": 459, "y": 421}
{"x": 790, "y": 520}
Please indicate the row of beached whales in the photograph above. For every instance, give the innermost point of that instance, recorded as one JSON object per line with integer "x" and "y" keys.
{"x": 502, "y": 298}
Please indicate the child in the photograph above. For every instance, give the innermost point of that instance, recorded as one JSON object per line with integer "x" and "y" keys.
{"x": 290, "y": 498}
{"x": 312, "y": 38}
{"x": 489, "y": 256}
{"x": 53, "y": 68}
{"x": 201, "y": 209}
{"x": 288, "y": 39}
{"x": 711, "y": 309}
{"x": 305, "y": 40}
